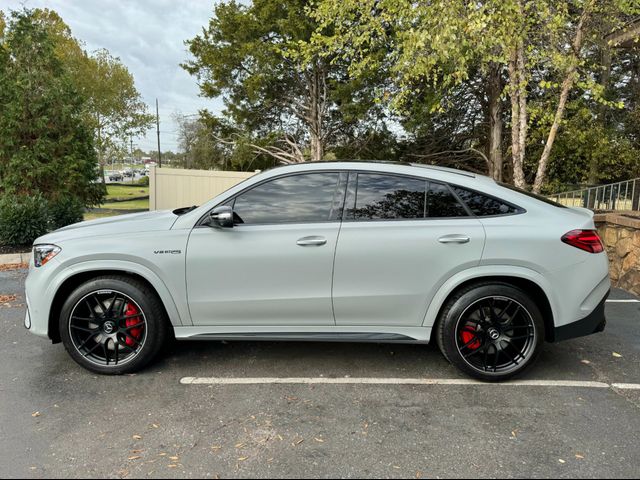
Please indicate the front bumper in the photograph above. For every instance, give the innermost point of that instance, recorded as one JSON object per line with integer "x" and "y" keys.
{"x": 595, "y": 322}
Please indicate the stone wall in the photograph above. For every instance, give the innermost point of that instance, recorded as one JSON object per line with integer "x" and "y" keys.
{"x": 621, "y": 235}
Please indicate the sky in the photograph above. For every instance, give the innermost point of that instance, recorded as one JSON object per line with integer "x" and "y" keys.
{"x": 148, "y": 36}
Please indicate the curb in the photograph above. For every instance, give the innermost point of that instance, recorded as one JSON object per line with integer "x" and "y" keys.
{"x": 11, "y": 258}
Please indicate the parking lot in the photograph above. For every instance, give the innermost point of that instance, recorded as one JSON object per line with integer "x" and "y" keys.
{"x": 347, "y": 410}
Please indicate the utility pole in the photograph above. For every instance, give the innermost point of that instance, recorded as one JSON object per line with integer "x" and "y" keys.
{"x": 158, "y": 130}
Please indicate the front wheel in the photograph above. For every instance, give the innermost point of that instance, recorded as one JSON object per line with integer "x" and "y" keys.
{"x": 113, "y": 325}
{"x": 491, "y": 331}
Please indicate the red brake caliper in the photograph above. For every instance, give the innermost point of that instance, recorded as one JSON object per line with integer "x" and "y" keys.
{"x": 468, "y": 334}
{"x": 130, "y": 322}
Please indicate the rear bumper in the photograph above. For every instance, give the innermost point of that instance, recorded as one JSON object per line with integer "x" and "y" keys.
{"x": 595, "y": 322}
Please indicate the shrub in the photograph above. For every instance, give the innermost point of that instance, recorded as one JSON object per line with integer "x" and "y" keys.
{"x": 65, "y": 211}
{"x": 23, "y": 219}
{"x": 143, "y": 181}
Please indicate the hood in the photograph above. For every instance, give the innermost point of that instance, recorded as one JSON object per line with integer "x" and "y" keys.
{"x": 130, "y": 223}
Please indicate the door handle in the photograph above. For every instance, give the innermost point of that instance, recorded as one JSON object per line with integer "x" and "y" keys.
{"x": 454, "y": 239}
{"x": 311, "y": 241}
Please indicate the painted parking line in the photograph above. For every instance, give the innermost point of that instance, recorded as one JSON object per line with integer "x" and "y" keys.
{"x": 623, "y": 301}
{"x": 626, "y": 386}
{"x": 397, "y": 381}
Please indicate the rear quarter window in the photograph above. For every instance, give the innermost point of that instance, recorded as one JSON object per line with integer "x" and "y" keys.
{"x": 484, "y": 205}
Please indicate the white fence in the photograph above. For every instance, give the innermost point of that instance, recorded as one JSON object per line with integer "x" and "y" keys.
{"x": 173, "y": 188}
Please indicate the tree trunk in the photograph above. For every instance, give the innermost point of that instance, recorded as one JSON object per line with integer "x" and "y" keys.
{"x": 567, "y": 85}
{"x": 518, "y": 95}
{"x": 495, "y": 87}
{"x": 315, "y": 113}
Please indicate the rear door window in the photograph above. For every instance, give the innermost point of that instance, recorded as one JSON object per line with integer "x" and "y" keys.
{"x": 442, "y": 203}
{"x": 388, "y": 197}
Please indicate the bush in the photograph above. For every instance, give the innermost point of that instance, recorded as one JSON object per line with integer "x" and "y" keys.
{"x": 23, "y": 219}
{"x": 143, "y": 181}
{"x": 65, "y": 211}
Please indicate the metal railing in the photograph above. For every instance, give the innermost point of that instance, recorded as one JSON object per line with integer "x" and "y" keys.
{"x": 613, "y": 196}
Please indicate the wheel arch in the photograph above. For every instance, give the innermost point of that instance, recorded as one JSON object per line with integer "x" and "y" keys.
{"x": 528, "y": 281}
{"x": 86, "y": 273}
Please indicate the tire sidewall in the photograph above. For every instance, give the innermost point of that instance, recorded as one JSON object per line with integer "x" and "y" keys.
{"x": 459, "y": 304}
{"x": 140, "y": 297}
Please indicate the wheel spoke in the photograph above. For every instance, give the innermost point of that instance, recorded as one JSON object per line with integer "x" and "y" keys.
{"x": 137, "y": 325}
{"x": 496, "y": 359}
{"x": 137, "y": 342}
{"x": 82, "y": 329}
{"x": 485, "y": 359}
{"x": 504, "y": 310}
{"x": 99, "y": 303}
{"x": 514, "y": 360}
{"x": 91, "y": 337}
{"x": 116, "y": 351}
{"x": 92, "y": 349}
{"x": 522, "y": 337}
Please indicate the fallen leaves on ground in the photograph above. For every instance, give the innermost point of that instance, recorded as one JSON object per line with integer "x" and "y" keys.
{"x": 5, "y": 300}
{"x": 13, "y": 266}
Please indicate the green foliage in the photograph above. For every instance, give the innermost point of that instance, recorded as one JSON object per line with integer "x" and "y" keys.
{"x": 45, "y": 145}
{"x": 281, "y": 88}
{"x": 65, "y": 211}
{"x": 143, "y": 181}
{"x": 112, "y": 108}
{"x": 22, "y": 219}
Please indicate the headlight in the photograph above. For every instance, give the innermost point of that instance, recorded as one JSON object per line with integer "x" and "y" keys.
{"x": 43, "y": 253}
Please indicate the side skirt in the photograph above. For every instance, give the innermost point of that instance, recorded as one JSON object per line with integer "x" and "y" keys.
{"x": 357, "y": 334}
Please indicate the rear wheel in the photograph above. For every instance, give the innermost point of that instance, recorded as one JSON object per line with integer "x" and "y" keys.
{"x": 491, "y": 331}
{"x": 113, "y": 325}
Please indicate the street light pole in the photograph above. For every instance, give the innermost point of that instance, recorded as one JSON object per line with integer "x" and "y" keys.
{"x": 158, "y": 131}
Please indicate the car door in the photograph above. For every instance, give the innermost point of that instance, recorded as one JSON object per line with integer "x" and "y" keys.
{"x": 275, "y": 266}
{"x": 401, "y": 238}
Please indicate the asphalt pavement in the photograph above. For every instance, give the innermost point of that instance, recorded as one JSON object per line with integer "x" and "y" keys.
{"x": 58, "y": 420}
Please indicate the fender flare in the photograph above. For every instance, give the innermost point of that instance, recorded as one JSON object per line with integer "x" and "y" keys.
{"x": 480, "y": 272}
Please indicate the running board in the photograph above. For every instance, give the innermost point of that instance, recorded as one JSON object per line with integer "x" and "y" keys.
{"x": 191, "y": 333}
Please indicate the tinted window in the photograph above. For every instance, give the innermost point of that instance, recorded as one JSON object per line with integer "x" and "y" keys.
{"x": 482, "y": 205}
{"x": 442, "y": 203}
{"x": 388, "y": 197}
{"x": 293, "y": 199}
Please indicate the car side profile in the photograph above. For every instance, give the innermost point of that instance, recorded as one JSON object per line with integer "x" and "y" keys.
{"x": 337, "y": 251}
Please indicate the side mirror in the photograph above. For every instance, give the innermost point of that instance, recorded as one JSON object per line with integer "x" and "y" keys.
{"x": 221, "y": 217}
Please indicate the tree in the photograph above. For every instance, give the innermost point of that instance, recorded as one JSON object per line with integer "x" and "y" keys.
{"x": 438, "y": 44}
{"x": 45, "y": 146}
{"x": 113, "y": 109}
{"x": 275, "y": 79}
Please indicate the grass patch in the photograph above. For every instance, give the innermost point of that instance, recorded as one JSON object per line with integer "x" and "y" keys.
{"x": 141, "y": 204}
{"x": 121, "y": 192}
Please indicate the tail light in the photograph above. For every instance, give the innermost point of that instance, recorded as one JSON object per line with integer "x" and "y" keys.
{"x": 587, "y": 240}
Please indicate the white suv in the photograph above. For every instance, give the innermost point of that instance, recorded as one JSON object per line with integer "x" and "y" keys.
{"x": 352, "y": 251}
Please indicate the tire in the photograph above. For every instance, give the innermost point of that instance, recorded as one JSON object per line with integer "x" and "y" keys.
{"x": 113, "y": 325}
{"x": 491, "y": 331}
